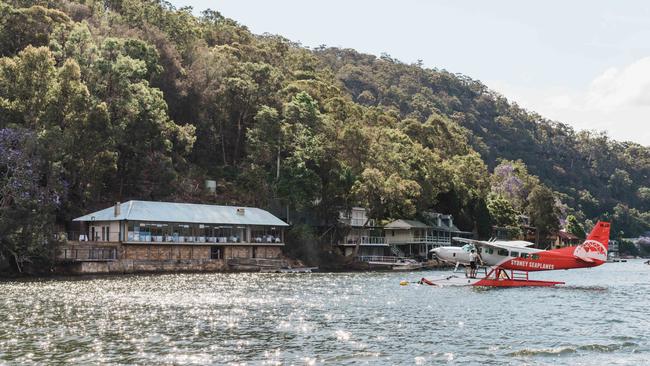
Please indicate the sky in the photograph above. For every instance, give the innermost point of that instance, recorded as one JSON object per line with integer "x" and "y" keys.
{"x": 584, "y": 63}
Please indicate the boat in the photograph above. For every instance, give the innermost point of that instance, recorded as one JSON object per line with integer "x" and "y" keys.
{"x": 616, "y": 260}
{"x": 407, "y": 264}
{"x": 289, "y": 270}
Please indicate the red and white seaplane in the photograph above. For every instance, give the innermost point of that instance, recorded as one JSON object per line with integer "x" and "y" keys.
{"x": 510, "y": 262}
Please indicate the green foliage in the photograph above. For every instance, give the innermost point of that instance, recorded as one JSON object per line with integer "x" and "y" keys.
{"x": 627, "y": 248}
{"x": 22, "y": 27}
{"x": 302, "y": 243}
{"x": 643, "y": 195}
{"x": 501, "y": 211}
{"x": 574, "y": 227}
{"x": 29, "y": 195}
{"x": 543, "y": 211}
{"x": 629, "y": 221}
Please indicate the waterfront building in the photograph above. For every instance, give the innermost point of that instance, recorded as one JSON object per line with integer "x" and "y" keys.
{"x": 412, "y": 238}
{"x": 144, "y": 230}
{"x": 370, "y": 241}
{"x": 565, "y": 239}
{"x": 362, "y": 232}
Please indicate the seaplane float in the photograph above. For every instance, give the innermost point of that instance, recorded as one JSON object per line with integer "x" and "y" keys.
{"x": 508, "y": 263}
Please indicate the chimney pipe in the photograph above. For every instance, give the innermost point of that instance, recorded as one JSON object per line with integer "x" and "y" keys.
{"x": 117, "y": 209}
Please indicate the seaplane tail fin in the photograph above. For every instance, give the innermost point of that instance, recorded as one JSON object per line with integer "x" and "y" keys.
{"x": 596, "y": 245}
{"x": 600, "y": 233}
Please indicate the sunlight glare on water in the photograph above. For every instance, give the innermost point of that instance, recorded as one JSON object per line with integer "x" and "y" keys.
{"x": 336, "y": 318}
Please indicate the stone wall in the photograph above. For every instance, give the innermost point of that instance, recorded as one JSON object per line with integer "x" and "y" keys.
{"x": 235, "y": 251}
{"x": 268, "y": 252}
{"x": 164, "y": 252}
{"x": 135, "y": 258}
{"x": 140, "y": 266}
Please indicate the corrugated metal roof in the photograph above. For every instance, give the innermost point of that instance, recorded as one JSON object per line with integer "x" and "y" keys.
{"x": 184, "y": 212}
{"x": 406, "y": 224}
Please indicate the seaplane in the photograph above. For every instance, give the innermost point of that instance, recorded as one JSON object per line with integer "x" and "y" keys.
{"x": 508, "y": 263}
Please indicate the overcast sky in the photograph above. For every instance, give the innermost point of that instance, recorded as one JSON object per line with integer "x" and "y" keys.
{"x": 585, "y": 63}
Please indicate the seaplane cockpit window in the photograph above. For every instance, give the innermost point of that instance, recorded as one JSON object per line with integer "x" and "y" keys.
{"x": 523, "y": 255}
{"x": 489, "y": 250}
{"x": 514, "y": 254}
{"x": 535, "y": 256}
{"x": 502, "y": 252}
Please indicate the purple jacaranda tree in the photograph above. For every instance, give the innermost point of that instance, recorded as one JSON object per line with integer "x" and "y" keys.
{"x": 508, "y": 185}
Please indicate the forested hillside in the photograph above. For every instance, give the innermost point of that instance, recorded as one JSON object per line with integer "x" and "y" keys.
{"x": 104, "y": 101}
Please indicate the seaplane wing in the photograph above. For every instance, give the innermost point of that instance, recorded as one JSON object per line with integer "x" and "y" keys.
{"x": 466, "y": 241}
{"x": 516, "y": 243}
{"x": 496, "y": 244}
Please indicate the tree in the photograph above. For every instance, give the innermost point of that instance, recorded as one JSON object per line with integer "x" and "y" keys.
{"x": 574, "y": 227}
{"x": 630, "y": 221}
{"x": 619, "y": 183}
{"x": 543, "y": 211}
{"x": 24, "y": 27}
{"x": 386, "y": 196}
{"x": 501, "y": 211}
{"x": 511, "y": 181}
{"x": 643, "y": 193}
{"x": 627, "y": 248}
{"x": 30, "y": 194}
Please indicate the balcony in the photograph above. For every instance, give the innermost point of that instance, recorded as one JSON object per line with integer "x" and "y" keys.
{"x": 148, "y": 238}
{"x": 202, "y": 240}
{"x": 435, "y": 240}
{"x": 87, "y": 254}
{"x": 366, "y": 240}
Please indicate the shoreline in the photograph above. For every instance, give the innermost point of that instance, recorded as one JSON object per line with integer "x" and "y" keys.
{"x": 163, "y": 268}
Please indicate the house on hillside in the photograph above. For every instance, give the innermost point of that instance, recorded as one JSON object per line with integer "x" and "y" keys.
{"x": 523, "y": 231}
{"x": 144, "y": 230}
{"x": 565, "y": 239}
{"x": 415, "y": 239}
{"x": 362, "y": 232}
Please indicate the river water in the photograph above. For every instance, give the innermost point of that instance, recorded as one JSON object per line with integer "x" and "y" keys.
{"x": 602, "y": 316}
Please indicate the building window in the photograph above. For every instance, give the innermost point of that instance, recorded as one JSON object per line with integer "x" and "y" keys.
{"x": 266, "y": 234}
{"x": 215, "y": 253}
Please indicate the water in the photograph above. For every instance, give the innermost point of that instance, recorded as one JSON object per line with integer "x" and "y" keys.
{"x": 600, "y": 317}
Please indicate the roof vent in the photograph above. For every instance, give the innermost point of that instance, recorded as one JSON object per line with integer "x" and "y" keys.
{"x": 241, "y": 211}
{"x": 117, "y": 209}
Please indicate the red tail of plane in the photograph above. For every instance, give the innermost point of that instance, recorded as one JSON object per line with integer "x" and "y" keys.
{"x": 595, "y": 247}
